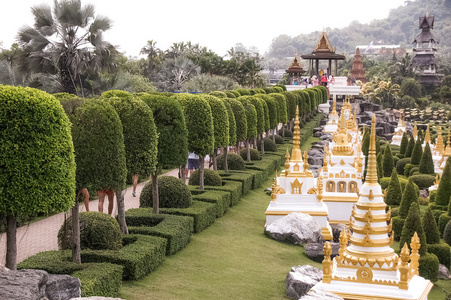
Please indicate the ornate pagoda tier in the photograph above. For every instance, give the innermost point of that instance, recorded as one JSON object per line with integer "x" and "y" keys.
{"x": 295, "y": 190}
{"x": 332, "y": 122}
{"x": 424, "y": 62}
{"x": 399, "y": 131}
{"x": 438, "y": 151}
{"x": 295, "y": 71}
{"x": 368, "y": 268}
{"x": 357, "y": 70}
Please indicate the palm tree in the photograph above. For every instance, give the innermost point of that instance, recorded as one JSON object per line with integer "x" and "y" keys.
{"x": 153, "y": 54}
{"x": 175, "y": 72}
{"x": 67, "y": 41}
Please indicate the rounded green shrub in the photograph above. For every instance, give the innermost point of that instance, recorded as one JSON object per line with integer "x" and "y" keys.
{"x": 211, "y": 177}
{"x": 429, "y": 266}
{"x": 423, "y": 180}
{"x": 407, "y": 169}
{"x": 443, "y": 220}
{"x": 231, "y": 95}
{"x": 423, "y": 201}
{"x": 432, "y": 195}
{"x": 98, "y": 231}
{"x": 173, "y": 193}
{"x": 413, "y": 171}
{"x": 255, "y": 155}
{"x": 401, "y": 164}
{"x": 288, "y": 133}
{"x": 219, "y": 94}
{"x": 442, "y": 251}
{"x": 268, "y": 144}
{"x": 278, "y": 138}
{"x": 234, "y": 161}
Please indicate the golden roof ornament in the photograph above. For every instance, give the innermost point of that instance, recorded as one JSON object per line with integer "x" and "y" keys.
{"x": 296, "y": 155}
{"x": 334, "y": 108}
{"x": 439, "y": 146}
{"x": 342, "y": 146}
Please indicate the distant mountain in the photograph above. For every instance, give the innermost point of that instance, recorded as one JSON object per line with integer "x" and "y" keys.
{"x": 400, "y": 28}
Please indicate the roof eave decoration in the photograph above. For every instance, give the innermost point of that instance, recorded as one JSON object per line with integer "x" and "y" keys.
{"x": 323, "y": 44}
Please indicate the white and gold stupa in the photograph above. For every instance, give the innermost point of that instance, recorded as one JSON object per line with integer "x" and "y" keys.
{"x": 341, "y": 176}
{"x": 332, "y": 122}
{"x": 296, "y": 191}
{"x": 440, "y": 152}
{"x": 399, "y": 131}
{"x": 368, "y": 268}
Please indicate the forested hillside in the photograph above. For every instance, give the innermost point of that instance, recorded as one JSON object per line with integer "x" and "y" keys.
{"x": 400, "y": 27}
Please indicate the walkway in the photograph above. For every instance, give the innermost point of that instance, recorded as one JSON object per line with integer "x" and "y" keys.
{"x": 42, "y": 235}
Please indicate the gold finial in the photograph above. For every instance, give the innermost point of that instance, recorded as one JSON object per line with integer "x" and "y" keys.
{"x": 371, "y": 176}
{"x": 296, "y": 155}
{"x": 327, "y": 263}
{"x": 306, "y": 165}
{"x": 343, "y": 242}
{"x": 404, "y": 268}
{"x": 415, "y": 257}
{"x": 287, "y": 163}
{"x": 415, "y": 131}
{"x": 274, "y": 189}
{"x": 427, "y": 136}
{"x": 334, "y": 106}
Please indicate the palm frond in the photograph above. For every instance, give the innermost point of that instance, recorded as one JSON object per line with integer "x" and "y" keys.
{"x": 100, "y": 24}
{"x": 88, "y": 14}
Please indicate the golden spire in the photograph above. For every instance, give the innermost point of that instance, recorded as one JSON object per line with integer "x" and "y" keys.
{"x": 439, "y": 146}
{"x": 371, "y": 174}
{"x": 296, "y": 155}
{"x": 274, "y": 189}
{"x": 325, "y": 159}
{"x": 415, "y": 131}
{"x": 306, "y": 165}
{"x": 287, "y": 163}
{"x": 342, "y": 146}
{"x": 415, "y": 257}
{"x": 334, "y": 107}
{"x": 447, "y": 151}
{"x": 427, "y": 136}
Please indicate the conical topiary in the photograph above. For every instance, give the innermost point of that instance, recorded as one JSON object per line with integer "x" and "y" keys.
{"x": 417, "y": 152}
{"x": 411, "y": 225}
{"x": 409, "y": 196}
{"x": 380, "y": 171}
{"x": 430, "y": 227}
{"x": 410, "y": 146}
{"x": 444, "y": 187}
{"x": 394, "y": 194}
{"x": 447, "y": 233}
{"x": 426, "y": 162}
{"x": 387, "y": 161}
{"x": 404, "y": 143}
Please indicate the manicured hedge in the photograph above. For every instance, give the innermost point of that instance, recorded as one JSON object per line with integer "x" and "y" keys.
{"x": 235, "y": 189}
{"x": 429, "y": 266}
{"x": 255, "y": 155}
{"x": 423, "y": 180}
{"x": 442, "y": 251}
{"x": 204, "y": 214}
{"x": 102, "y": 279}
{"x": 176, "y": 229}
{"x": 435, "y": 206}
{"x": 442, "y": 221}
{"x": 140, "y": 255}
{"x": 211, "y": 177}
{"x": 269, "y": 145}
{"x": 267, "y": 165}
{"x": 401, "y": 164}
{"x": 220, "y": 198}
{"x": 280, "y": 159}
{"x": 245, "y": 178}
{"x": 234, "y": 162}
{"x": 257, "y": 177}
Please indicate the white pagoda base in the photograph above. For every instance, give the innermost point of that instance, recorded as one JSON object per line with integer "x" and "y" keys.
{"x": 396, "y": 140}
{"x": 340, "y": 206}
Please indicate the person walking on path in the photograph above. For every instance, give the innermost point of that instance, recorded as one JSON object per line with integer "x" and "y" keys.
{"x": 110, "y": 194}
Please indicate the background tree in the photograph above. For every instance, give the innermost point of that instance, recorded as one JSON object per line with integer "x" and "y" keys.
{"x": 411, "y": 225}
{"x": 199, "y": 123}
{"x": 409, "y": 196}
{"x": 426, "y": 162}
{"x": 34, "y": 128}
{"x": 411, "y": 87}
{"x": 174, "y": 72}
{"x": 417, "y": 152}
{"x": 172, "y": 137}
{"x": 387, "y": 161}
{"x": 394, "y": 193}
{"x": 444, "y": 188}
{"x": 153, "y": 56}
{"x": 67, "y": 41}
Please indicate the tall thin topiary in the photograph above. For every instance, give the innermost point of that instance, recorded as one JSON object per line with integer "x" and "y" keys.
{"x": 417, "y": 152}
{"x": 170, "y": 123}
{"x": 199, "y": 123}
{"x": 430, "y": 227}
{"x": 394, "y": 194}
{"x": 410, "y": 146}
{"x": 444, "y": 187}
{"x": 426, "y": 162}
{"x": 232, "y": 133}
{"x": 409, "y": 196}
{"x": 380, "y": 171}
{"x": 404, "y": 143}
{"x": 387, "y": 161}
{"x": 251, "y": 118}
{"x": 411, "y": 225}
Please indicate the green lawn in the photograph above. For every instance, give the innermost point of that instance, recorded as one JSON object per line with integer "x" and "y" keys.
{"x": 231, "y": 259}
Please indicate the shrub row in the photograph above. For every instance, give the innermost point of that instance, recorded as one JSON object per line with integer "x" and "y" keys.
{"x": 204, "y": 213}
{"x": 220, "y": 198}
{"x": 245, "y": 178}
{"x": 233, "y": 187}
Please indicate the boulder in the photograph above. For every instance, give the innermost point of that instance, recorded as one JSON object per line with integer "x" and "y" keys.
{"x": 296, "y": 228}
{"x": 318, "y": 161}
{"x": 336, "y": 230}
{"x": 318, "y": 134}
{"x": 23, "y": 284}
{"x": 424, "y": 193}
{"x": 96, "y": 298}
{"x": 301, "y": 279}
{"x": 315, "y": 251}
{"x": 320, "y": 294}
{"x": 315, "y": 170}
{"x": 443, "y": 272}
{"x": 62, "y": 287}
{"x": 317, "y": 129}
{"x": 326, "y": 137}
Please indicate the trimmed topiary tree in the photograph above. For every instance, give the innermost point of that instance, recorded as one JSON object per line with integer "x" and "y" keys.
{"x": 401, "y": 164}
{"x": 98, "y": 231}
{"x": 410, "y": 147}
{"x": 394, "y": 194}
{"x": 423, "y": 181}
{"x": 417, "y": 152}
{"x": 37, "y": 173}
{"x": 444, "y": 187}
{"x": 426, "y": 162}
{"x": 211, "y": 177}
{"x": 255, "y": 155}
{"x": 430, "y": 227}
{"x": 387, "y": 161}
{"x": 411, "y": 225}
{"x": 447, "y": 233}
{"x": 409, "y": 196}
{"x": 199, "y": 123}
{"x": 270, "y": 145}
{"x": 278, "y": 139}
{"x": 240, "y": 119}
{"x": 234, "y": 161}
{"x": 404, "y": 143}
{"x": 232, "y": 132}
{"x": 251, "y": 118}
{"x": 172, "y": 192}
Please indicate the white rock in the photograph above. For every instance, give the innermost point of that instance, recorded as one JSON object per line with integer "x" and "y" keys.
{"x": 296, "y": 228}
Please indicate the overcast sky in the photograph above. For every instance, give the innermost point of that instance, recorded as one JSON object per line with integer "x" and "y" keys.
{"x": 218, "y": 25}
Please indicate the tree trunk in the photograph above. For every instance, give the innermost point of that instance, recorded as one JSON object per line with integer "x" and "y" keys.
{"x": 201, "y": 172}
{"x": 262, "y": 145}
{"x": 226, "y": 164}
{"x": 121, "y": 211}
{"x": 283, "y": 130}
{"x": 213, "y": 157}
{"x": 238, "y": 148}
{"x": 76, "y": 258}
{"x": 274, "y": 135}
{"x": 11, "y": 245}
{"x": 183, "y": 173}
{"x": 248, "y": 151}
{"x": 155, "y": 197}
